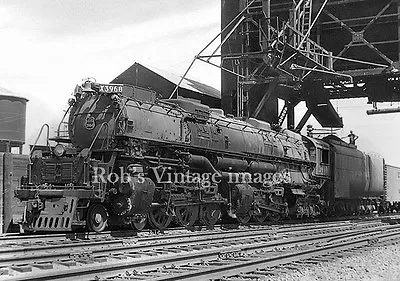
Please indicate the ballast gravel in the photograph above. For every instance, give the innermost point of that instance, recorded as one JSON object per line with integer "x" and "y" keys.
{"x": 376, "y": 264}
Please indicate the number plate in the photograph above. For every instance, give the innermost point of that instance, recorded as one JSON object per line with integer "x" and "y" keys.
{"x": 110, "y": 88}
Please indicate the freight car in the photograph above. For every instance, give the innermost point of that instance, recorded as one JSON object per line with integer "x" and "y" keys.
{"x": 129, "y": 158}
{"x": 392, "y": 188}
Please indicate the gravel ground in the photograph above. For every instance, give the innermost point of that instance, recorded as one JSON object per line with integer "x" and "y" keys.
{"x": 377, "y": 264}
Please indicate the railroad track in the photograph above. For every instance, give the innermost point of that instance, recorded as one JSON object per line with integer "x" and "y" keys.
{"x": 46, "y": 247}
{"x": 24, "y": 240}
{"x": 261, "y": 268}
{"x": 21, "y": 253}
{"x": 255, "y": 262}
{"x": 184, "y": 254}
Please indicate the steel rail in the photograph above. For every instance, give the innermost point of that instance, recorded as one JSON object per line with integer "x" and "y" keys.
{"x": 254, "y": 265}
{"x": 112, "y": 264}
{"x": 10, "y": 256}
{"x": 25, "y": 240}
{"x": 165, "y": 234}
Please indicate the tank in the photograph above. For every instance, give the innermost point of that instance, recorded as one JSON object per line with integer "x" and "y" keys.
{"x": 13, "y": 118}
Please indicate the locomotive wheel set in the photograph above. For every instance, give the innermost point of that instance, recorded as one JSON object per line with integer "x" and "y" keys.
{"x": 129, "y": 159}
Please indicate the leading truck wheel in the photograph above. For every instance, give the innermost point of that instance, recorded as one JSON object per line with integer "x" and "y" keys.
{"x": 97, "y": 218}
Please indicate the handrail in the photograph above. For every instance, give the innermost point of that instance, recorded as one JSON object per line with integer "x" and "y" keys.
{"x": 62, "y": 121}
{"x": 97, "y": 134}
{"x": 33, "y": 147}
{"x": 37, "y": 139}
{"x": 122, "y": 108}
{"x": 298, "y": 5}
{"x": 298, "y": 33}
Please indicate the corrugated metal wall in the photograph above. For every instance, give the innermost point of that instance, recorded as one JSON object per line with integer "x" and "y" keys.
{"x": 12, "y": 168}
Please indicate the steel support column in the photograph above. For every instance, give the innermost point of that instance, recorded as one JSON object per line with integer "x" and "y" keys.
{"x": 272, "y": 86}
{"x": 303, "y": 121}
{"x": 290, "y": 114}
{"x": 398, "y": 23}
{"x": 229, "y": 9}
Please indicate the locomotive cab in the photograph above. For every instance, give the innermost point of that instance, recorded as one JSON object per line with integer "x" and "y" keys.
{"x": 319, "y": 153}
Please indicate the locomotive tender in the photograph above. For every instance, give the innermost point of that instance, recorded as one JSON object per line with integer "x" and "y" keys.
{"x": 129, "y": 158}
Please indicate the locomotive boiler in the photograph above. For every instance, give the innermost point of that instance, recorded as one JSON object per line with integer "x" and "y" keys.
{"x": 129, "y": 158}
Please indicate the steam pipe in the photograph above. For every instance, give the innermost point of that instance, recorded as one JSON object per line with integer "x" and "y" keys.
{"x": 199, "y": 161}
{"x": 383, "y": 111}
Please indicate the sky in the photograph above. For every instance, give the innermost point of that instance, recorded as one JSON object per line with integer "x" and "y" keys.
{"x": 49, "y": 46}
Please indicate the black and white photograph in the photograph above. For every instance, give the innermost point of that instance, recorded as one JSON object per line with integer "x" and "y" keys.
{"x": 218, "y": 140}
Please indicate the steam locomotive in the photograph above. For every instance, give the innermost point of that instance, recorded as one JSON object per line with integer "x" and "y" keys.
{"x": 129, "y": 158}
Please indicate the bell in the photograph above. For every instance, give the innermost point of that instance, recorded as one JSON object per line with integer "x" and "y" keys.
{"x": 87, "y": 87}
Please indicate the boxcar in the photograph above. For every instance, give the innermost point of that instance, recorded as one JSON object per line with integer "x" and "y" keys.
{"x": 392, "y": 184}
{"x": 375, "y": 167}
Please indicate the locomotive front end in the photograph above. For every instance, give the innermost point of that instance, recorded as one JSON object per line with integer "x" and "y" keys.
{"x": 92, "y": 116}
{"x": 78, "y": 181}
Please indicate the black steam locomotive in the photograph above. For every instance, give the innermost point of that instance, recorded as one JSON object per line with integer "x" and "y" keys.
{"x": 129, "y": 158}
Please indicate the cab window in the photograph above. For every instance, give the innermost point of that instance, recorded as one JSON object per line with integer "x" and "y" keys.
{"x": 324, "y": 156}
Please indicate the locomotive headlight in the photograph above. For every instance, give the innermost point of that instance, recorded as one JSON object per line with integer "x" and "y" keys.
{"x": 59, "y": 150}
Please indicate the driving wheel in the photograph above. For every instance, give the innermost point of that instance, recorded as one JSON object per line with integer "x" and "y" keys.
{"x": 261, "y": 216}
{"x": 159, "y": 218}
{"x": 187, "y": 215}
{"x": 210, "y": 214}
{"x": 243, "y": 218}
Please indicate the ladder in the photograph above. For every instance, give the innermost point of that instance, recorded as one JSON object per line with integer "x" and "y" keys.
{"x": 301, "y": 19}
{"x": 307, "y": 11}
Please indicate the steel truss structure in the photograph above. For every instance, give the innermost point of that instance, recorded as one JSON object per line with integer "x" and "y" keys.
{"x": 305, "y": 50}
